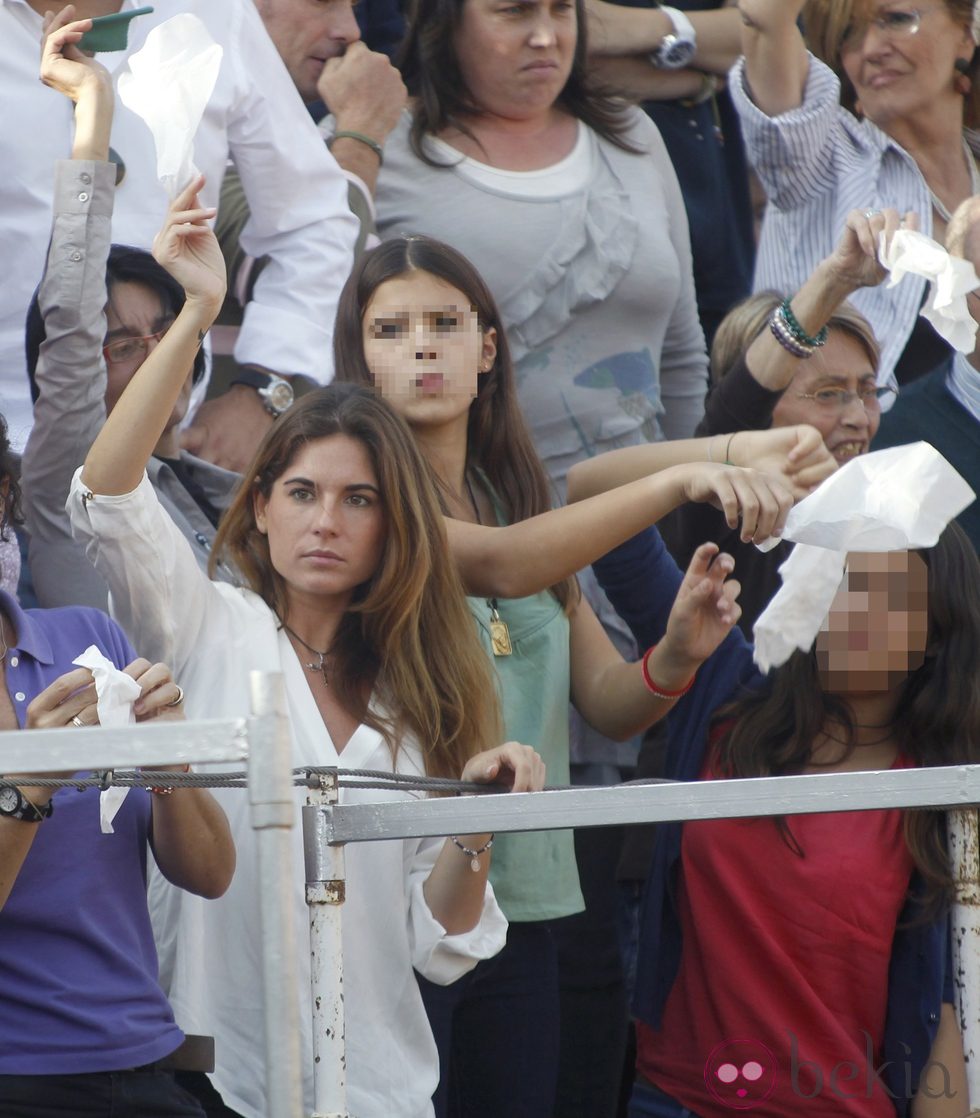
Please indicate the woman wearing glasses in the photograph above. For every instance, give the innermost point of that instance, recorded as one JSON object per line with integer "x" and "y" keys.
{"x": 764, "y": 376}
{"x": 78, "y": 372}
{"x": 879, "y": 114}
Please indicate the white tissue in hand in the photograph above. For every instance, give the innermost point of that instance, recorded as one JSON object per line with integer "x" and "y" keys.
{"x": 950, "y": 279}
{"x": 890, "y": 500}
{"x": 116, "y": 692}
{"x": 169, "y": 83}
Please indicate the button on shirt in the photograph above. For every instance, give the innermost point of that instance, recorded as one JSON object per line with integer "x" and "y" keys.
{"x": 298, "y": 195}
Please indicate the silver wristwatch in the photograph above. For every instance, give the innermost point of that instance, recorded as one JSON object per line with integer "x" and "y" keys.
{"x": 275, "y": 392}
{"x": 15, "y": 805}
{"x": 676, "y": 48}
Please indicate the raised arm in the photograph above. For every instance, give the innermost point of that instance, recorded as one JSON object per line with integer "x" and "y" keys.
{"x": 69, "y": 372}
{"x": 187, "y": 248}
{"x": 776, "y": 59}
{"x": 853, "y": 264}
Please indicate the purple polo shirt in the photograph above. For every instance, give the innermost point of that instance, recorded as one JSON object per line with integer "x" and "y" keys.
{"x": 78, "y": 968}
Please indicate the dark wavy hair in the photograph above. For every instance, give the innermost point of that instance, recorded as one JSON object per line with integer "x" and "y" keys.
{"x": 937, "y": 720}
{"x": 124, "y": 265}
{"x": 497, "y": 439}
{"x": 431, "y": 71}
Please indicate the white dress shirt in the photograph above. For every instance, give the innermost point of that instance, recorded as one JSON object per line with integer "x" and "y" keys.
{"x": 213, "y": 635}
{"x": 297, "y": 193}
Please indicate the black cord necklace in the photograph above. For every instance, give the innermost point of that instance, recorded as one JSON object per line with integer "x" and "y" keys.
{"x": 320, "y": 664}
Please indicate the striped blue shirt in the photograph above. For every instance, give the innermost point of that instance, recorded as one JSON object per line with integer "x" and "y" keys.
{"x": 817, "y": 162}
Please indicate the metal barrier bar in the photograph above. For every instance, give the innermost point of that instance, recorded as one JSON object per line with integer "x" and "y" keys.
{"x": 963, "y": 830}
{"x": 326, "y": 891}
{"x": 270, "y": 794}
{"x": 945, "y": 787}
{"x": 142, "y": 743}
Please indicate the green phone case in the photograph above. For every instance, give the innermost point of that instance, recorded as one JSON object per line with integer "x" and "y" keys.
{"x": 110, "y": 32}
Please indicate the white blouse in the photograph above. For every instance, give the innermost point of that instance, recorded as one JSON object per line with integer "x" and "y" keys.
{"x": 213, "y": 635}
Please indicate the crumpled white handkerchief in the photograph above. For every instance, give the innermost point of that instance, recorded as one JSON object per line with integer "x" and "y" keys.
{"x": 890, "y": 500}
{"x": 116, "y": 692}
{"x": 168, "y": 83}
{"x": 950, "y": 280}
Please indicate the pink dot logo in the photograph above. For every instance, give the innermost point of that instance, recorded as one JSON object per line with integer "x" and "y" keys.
{"x": 740, "y": 1074}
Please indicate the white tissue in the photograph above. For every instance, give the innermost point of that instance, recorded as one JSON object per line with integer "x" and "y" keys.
{"x": 950, "y": 280}
{"x": 890, "y": 500}
{"x": 169, "y": 83}
{"x": 116, "y": 692}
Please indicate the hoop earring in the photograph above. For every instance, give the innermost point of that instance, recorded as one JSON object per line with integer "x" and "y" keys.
{"x": 962, "y": 82}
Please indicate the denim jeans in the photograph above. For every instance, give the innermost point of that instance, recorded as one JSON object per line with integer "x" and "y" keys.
{"x": 146, "y": 1093}
{"x": 496, "y": 1029}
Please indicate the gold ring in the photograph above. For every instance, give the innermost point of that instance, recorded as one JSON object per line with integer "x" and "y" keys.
{"x": 180, "y": 697}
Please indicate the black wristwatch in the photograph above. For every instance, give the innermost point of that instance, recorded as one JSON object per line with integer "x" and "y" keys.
{"x": 678, "y": 47}
{"x": 276, "y": 393}
{"x": 15, "y": 805}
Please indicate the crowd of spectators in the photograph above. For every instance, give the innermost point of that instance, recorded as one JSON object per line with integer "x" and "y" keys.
{"x": 458, "y": 386}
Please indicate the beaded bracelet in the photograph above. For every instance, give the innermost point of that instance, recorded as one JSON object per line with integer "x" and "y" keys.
{"x": 780, "y": 331}
{"x": 168, "y": 789}
{"x": 655, "y": 689}
{"x": 797, "y": 330}
{"x": 473, "y": 855}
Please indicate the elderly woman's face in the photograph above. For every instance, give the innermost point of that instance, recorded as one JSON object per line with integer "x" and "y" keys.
{"x": 516, "y": 55}
{"x": 900, "y": 56}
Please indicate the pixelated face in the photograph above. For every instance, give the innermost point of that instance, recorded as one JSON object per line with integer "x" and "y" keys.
{"x": 843, "y": 364}
{"x": 740, "y": 1074}
{"x": 425, "y": 349}
{"x": 877, "y": 628}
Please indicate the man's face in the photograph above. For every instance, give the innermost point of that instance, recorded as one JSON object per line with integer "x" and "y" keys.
{"x": 308, "y": 32}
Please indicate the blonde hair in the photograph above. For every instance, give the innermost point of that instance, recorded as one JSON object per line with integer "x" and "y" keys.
{"x": 826, "y": 23}
{"x": 746, "y": 321}
{"x": 964, "y": 216}
{"x": 408, "y": 634}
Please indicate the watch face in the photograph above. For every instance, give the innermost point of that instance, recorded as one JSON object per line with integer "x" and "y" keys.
{"x": 280, "y": 396}
{"x": 9, "y": 800}
{"x": 675, "y": 52}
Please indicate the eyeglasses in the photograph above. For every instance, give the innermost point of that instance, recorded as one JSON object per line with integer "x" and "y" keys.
{"x": 895, "y": 23}
{"x": 837, "y": 399}
{"x": 125, "y": 351}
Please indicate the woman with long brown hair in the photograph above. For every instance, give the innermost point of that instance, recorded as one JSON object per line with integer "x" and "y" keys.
{"x": 351, "y": 595}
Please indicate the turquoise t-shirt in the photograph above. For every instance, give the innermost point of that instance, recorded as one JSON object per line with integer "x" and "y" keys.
{"x": 534, "y": 874}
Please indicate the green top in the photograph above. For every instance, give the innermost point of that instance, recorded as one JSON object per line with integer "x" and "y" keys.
{"x": 534, "y": 873}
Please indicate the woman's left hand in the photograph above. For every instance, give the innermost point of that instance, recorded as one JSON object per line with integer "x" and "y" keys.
{"x": 187, "y": 247}
{"x": 518, "y": 766}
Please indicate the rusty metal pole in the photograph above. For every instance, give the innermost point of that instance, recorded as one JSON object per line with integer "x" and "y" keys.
{"x": 963, "y": 828}
{"x": 325, "y": 894}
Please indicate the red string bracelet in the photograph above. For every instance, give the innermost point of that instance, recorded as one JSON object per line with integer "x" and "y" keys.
{"x": 655, "y": 689}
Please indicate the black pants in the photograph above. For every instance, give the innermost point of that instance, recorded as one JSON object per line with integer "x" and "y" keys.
{"x": 145, "y": 1093}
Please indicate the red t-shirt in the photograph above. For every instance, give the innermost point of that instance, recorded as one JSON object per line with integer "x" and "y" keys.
{"x": 779, "y": 1004}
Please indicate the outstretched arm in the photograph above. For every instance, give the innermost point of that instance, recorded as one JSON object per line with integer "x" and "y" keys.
{"x": 187, "y": 248}
{"x": 531, "y": 555}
